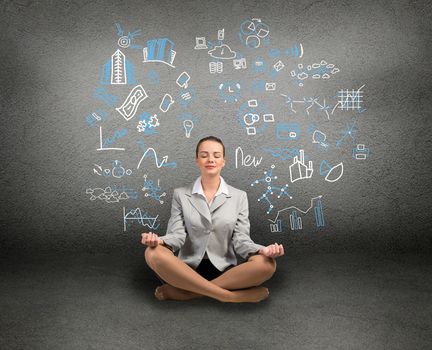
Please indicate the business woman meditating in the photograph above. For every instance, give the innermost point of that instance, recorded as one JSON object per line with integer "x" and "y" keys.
{"x": 210, "y": 223}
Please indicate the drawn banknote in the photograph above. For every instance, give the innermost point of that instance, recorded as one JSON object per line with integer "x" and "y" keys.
{"x": 130, "y": 105}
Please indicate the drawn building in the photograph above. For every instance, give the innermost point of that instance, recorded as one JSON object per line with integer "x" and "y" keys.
{"x": 118, "y": 70}
{"x": 159, "y": 50}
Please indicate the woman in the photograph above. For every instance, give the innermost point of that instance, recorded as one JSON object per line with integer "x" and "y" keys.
{"x": 210, "y": 223}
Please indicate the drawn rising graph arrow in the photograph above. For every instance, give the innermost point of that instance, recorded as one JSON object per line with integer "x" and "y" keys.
{"x": 293, "y": 207}
{"x": 159, "y": 165}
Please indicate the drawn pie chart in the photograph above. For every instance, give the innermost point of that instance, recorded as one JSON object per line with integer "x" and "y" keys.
{"x": 335, "y": 173}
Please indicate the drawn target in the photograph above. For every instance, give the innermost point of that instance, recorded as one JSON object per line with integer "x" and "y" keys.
{"x": 124, "y": 42}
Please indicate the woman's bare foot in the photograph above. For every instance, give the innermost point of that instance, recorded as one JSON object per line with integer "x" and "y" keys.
{"x": 169, "y": 292}
{"x": 250, "y": 295}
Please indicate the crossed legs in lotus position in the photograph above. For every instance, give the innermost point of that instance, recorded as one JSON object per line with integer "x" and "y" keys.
{"x": 242, "y": 283}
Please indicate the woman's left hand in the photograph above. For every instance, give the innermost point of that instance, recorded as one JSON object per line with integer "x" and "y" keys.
{"x": 272, "y": 250}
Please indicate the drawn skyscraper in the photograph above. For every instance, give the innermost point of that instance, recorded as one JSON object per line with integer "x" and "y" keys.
{"x": 159, "y": 50}
{"x": 118, "y": 70}
{"x": 319, "y": 215}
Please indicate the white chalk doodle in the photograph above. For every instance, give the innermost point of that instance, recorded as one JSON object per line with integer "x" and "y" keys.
{"x": 140, "y": 216}
{"x": 293, "y": 207}
{"x": 215, "y": 67}
{"x": 130, "y": 106}
{"x": 222, "y": 52}
{"x": 151, "y": 153}
{"x": 298, "y": 169}
{"x": 188, "y": 126}
{"x": 183, "y": 80}
{"x": 245, "y": 161}
{"x": 200, "y": 43}
{"x": 106, "y": 194}
{"x": 117, "y": 170}
{"x": 166, "y": 103}
{"x": 102, "y": 143}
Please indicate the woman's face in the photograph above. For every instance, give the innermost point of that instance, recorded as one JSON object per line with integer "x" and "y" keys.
{"x": 210, "y": 159}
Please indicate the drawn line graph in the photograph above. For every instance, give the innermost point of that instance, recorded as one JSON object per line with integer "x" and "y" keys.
{"x": 350, "y": 100}
{"x": 143, "y": 218}
{"x": 293, "y": 207}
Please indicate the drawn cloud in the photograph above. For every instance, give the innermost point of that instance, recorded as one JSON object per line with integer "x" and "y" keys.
{"x": 223, "y": 52}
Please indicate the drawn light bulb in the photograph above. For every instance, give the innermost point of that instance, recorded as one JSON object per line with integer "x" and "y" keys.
{"x": 188, "y": 126}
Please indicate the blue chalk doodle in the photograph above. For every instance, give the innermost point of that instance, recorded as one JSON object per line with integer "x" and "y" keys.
{"x": 267, "y": 180}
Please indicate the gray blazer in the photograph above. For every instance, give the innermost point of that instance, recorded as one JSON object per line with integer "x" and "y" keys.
{"x": 222, "y": 229}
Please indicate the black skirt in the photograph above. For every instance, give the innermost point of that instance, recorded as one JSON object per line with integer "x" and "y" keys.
{"x": 205, "y": 269}
{"x": 208, "y": 270}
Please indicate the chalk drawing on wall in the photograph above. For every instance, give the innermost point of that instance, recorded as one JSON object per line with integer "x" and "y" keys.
{"x": 188, "y": 122}
{"x": 331, "y": 173}
{"x": 256, "y": 81}
{"x": 183, "y": 80}
{"x": 97, "y": 116}
{"x": 153, "y": 190}
{"x": 350, "y": 100}
{"x": 103, "y": 143}
{"x": 102, "y": 94}
{"x": 307, "y": 103}
{"x": 126, "y": 41}
{"x": 321, "y": 70}
{"x": 277, "y": 227}
{"x": 253, "y": 32}
{"x": 288, "y": 131}
{"x": 185, "y": 97}
{"x": 296, "y": 222}
{"x": 159, "y": 50}
{"x": 118, "y": 70}
{"x": 250, "y": 119}
{"x": 239, "y": 63}
{"x": 222, "y": 52}
{"x": 230, "y": 91}
{"x": 283, "y": 153}
{"x": 150, "y": 153}
{"x": 106, "y": 194}
{"x": 141, "y": 217}
{"x": 299, "y": 170}
{"x": 215, "y": 67}
{"x": 166, "y": 103}
{"x": 130, "y": 106}
{"x": 117, "y": 170}
{"x": 360, "y": 152}
{"x": 318, "y": 137}
{"x": 241, "y": 160}
{"x": 147, "y": 123}
{"x": 188, "y": 126}
{"x": 350, "y": 131}
{"x": 201, "y": 43}
{"x": 267, "y": 180}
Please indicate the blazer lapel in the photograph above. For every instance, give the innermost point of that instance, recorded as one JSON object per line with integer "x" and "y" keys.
{"x": 218, "y": 201}
{"x": 199, "y": 203}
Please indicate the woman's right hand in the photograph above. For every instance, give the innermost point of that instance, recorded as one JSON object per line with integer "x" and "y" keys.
{"x": 150, "y": 239}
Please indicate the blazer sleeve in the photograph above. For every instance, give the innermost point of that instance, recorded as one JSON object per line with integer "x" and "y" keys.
{"x": 176, "y": 233}
{"x": 243, "y": 244}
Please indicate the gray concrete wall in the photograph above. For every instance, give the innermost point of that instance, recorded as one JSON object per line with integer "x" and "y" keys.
{"x": 52, "y": 60}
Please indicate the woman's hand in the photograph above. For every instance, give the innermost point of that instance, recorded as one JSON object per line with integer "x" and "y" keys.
{"x": 272, "y": 250}
{"x": 150, "y": 239}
